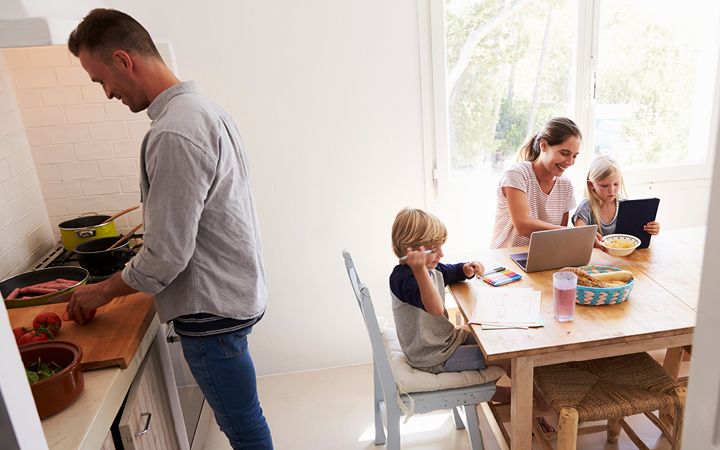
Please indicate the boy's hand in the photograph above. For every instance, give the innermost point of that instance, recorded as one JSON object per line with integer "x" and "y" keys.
{"x": 473, "y": 268}
{"x": 652, "y": 227}
{"x": 416, "y": 259}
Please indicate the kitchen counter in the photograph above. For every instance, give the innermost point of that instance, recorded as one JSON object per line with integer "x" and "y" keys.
{"x": 85, "y": 423}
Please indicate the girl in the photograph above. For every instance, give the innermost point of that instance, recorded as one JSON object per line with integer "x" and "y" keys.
{"x": 603, "y": 190}
{"x": 533, "y": 194}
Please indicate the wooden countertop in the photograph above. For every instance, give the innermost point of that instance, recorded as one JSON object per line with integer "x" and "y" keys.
{"x": 85, "y": 423}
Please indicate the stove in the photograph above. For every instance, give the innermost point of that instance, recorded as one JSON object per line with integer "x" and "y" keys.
{"x": 58, "y": 256}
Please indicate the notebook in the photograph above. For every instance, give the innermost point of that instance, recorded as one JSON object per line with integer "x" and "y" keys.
{"x": 553, "y": 249}
{"x": 633, "y": 215}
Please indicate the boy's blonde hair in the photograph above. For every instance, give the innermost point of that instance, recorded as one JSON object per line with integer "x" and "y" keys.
{"x": 415, "y": 227}
{"x": 602, "y": 167}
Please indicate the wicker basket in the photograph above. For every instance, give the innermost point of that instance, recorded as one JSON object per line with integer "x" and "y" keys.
{"x": 602, "y": 296}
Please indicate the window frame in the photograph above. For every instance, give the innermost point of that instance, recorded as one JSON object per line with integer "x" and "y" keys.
{"x": 435, "y": 108}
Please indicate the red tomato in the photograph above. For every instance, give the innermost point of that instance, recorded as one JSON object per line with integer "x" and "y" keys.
{"x": 32, "y": 336}
{"x": 48, "y": 321}
{"x": 18, "y": 332}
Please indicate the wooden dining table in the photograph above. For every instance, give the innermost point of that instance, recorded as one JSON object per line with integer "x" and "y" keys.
{"x": 658, "y": 314}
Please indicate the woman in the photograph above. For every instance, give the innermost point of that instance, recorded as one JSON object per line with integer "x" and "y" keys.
{"x": 533, "y": 194}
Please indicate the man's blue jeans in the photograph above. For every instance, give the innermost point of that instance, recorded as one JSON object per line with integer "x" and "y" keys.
{"x": 224, "y": 371}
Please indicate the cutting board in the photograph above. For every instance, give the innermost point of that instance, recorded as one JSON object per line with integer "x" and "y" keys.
{"x": 110, "y": 339}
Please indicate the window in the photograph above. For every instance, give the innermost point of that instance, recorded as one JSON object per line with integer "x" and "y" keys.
{"x": 638, "y": 77}
{"x": 655, "y": 78}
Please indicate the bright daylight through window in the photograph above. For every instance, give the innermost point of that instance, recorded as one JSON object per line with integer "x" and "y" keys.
{"x": 638, "y": 77}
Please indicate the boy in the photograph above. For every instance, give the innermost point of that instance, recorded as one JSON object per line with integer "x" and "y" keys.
{"x": 428, "y": 339}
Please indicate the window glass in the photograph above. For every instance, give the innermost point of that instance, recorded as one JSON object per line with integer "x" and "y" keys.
{"x": 509, "y": 68}
{"x": 655, "y": 78}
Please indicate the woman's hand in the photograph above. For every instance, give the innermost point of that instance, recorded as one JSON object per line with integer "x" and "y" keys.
{"x": 652, "y": 227}
{"x": 473, "y": 268}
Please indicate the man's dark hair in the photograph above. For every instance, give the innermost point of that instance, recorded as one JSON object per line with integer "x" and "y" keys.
{"x": 103, "y": 31}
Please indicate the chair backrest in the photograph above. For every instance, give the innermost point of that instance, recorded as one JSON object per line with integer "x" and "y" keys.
{"x": 362, "y": 295}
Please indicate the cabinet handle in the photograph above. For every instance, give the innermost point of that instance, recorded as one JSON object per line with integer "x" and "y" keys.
{"x": 147, "y": 424}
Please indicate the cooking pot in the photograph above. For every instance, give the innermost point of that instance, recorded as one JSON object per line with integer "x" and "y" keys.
{"x": 84, "y": 229}
{"x": 98, "y": 260}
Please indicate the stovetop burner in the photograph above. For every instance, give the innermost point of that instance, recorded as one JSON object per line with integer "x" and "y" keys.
{"x": 61, "y": 257}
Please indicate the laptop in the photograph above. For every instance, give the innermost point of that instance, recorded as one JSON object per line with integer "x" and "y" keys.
{"x": 553, "y": 249}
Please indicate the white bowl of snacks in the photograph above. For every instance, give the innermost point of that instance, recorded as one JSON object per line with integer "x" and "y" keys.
{"x": 620, "y": 244}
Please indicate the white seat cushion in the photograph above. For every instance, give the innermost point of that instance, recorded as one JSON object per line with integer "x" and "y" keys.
{"x": 410, "y": 379}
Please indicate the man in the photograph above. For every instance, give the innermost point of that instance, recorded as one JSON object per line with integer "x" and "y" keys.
{"x": 201, "y": 251}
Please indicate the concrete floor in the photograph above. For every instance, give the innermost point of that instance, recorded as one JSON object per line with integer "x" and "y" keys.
{"x": 332, "y": 409}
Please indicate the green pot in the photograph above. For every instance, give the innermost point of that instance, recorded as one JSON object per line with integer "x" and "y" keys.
{"x": 84, "y": 229}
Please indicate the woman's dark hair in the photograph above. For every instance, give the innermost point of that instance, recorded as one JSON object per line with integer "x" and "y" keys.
{"x": 554, "y": 132}
{"x": 103, "y": 31}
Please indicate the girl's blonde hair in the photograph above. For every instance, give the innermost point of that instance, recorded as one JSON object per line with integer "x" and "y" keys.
{"x": 415, "y": 227}
{"x": 554, "y": 132}
{"x": 602, "y": 167}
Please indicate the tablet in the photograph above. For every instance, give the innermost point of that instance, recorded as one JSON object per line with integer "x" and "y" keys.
{"x": 633, "y": 215}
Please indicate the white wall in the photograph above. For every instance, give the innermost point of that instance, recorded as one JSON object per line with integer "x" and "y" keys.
{"x": 24, "y": 228}
{"x": 326, "y": 94}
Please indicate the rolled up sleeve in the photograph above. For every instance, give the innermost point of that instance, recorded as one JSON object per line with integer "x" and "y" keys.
{"x": 180, "y": 175}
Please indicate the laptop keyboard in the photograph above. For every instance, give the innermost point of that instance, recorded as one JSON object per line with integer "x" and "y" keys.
{"x": 522, "y": 263}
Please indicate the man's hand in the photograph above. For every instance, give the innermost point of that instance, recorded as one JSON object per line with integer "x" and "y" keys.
{"x": 473, "y": 268}
{"x": 84, "y": 301}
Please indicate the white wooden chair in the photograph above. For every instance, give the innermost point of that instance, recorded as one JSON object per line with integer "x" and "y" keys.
{"x": 400, "y": 388}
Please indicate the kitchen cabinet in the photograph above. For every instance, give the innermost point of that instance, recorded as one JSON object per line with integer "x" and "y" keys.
{"x": 146, "y": 423}
{"x": 108, "y": 444}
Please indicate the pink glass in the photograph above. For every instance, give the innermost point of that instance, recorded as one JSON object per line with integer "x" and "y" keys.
{"x": 564, "y": 286}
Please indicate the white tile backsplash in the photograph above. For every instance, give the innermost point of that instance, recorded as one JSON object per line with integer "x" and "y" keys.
{"x": 69, "y": 134}
{"x": 33, "y": 78}
{"x": 7, "y": 102}
{"x": 16, "y": 58}
{"x": 84, "y": 147}
{"x": 101, "y": 186}
{"x": 59, "y": 96}
{"x": 118, "y": 168}
{"x": 85, "y": 113}
{"x": 24, "y": 222}
{"x": 38, "y": 136}
{"x": 43, "y": 116}
{"x": 72, "y": 76}
{"x": 29, "y": 98}
{"x": 94, "y": 150}
{"x": 48, "y": 172}
{"x": 51, "y": 154}
{"x": 93, "y": 94}
{"x": 79, "y": 170}
{"x": 108, "y": 131}
{"x": 52, "y": 56}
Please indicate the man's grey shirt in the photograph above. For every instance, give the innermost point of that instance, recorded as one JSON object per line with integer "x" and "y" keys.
{"x": 201, "y": 247}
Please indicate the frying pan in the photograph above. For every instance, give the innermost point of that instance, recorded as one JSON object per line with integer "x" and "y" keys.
{"x": 42, "y": 276}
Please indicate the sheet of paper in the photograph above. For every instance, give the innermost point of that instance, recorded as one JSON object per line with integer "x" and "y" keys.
{"x": 507, "y": 308}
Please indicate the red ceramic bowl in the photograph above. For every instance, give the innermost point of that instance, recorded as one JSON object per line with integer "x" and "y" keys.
{"x": 59, "y": 391}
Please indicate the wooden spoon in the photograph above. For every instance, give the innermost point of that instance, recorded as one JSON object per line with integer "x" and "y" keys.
{"x": 121, "y": 213}
{"x": 127, "y": 236}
